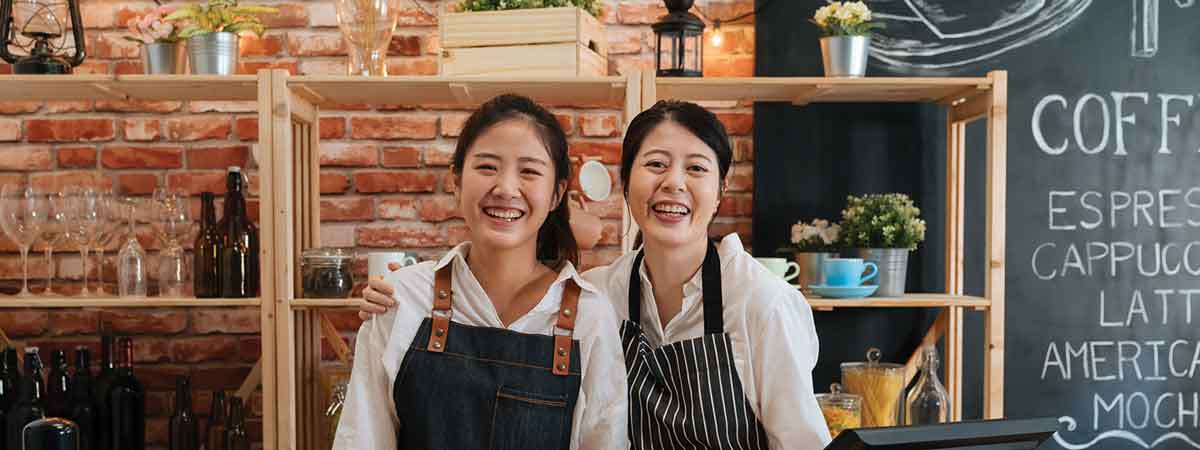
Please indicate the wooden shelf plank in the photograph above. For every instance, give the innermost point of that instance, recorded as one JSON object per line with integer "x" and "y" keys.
{"x": 128, "y": 87}
{"x": 326, "y": 302}
{"x": 803, "y": 90}
{"x": 117, "y": 302}
{"x": 907, "y": 301}
{"x": 458, "y": 91}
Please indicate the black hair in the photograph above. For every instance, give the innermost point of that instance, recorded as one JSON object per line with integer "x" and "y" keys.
{"x": 698, "y": 120}
{"x": 555, "y": 242}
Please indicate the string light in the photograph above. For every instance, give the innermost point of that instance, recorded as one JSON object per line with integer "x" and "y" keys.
{"x": 717, "y": 36}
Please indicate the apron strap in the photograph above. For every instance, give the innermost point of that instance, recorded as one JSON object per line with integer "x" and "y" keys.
{"x": 714, "y": 321}
{"x": 567, "y": 311}
{"x": 443, "y": 294}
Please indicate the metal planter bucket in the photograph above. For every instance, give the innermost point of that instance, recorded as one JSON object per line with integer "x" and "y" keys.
{"x": 164, "y": 58}
{"x": 893, "y": 269}
{"x": 214, "y": 53}
{"x": 811, "y": 269}
{"x": 845, "y": 56}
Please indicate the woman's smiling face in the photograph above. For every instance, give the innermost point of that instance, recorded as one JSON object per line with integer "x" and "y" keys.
{"x": 674, "y": 186}
{"x": 507, "y": 186}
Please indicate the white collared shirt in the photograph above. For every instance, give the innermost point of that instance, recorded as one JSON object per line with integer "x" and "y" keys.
{"x": 369, "y": 420}
{"x": 771, "y": 328}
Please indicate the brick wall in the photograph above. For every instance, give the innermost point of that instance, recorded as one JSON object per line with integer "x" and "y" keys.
{"x": 384, "y": 172}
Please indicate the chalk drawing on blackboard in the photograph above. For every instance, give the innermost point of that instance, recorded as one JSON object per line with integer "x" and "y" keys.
{"x": 1119, "y": 435}
{"x": 940, "y": 35}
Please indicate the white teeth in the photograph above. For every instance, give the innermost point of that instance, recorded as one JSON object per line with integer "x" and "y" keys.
{"x": 672, "y": 209}
{"x": 504, "y": 213}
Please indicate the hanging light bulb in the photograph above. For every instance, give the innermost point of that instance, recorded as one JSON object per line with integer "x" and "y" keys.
{"x": 717, "y": 36}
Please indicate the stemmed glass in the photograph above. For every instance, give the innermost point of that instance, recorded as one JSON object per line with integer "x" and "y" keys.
{"x": 83, "y": 219}
{"x": 172, "y": 223}
{"x": 53, "y": 231}
{"x": 131, "y": 260}
{"x": 21, "y": 217}
{"x": 109, "y": 224}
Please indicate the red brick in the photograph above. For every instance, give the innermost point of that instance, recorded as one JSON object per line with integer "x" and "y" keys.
{"x": 624, "y": 41}
{"x": 398, "y": 208}
{"x": 158, "y": 431}
{"x": 113, "y": 46}
{"x": 26, "y": 158}
{"x": 608, "y": 152}
{"x": 405, "y": 46}
{"x": 290, "y": 15}
{"x": 611, "y": 208}
{"x": 349, "y": 155}
{"x": 64, "y": 107}
{"x": 333, "y": 127}
{"x": 89, "y": 178}
{"x": 137, "y": 106}
{"x": 158, "y": 403}
{"x": 413, "y": 66}
{"x": 160, "y": 378}
{"x": 76, "y": 157}
{"x": 316, "y": 43}
{"x": 438, "y": 208}
{"x": 395, "y": 126}
{"x": 222, "y": 378}
{"x": 65, "y": 323}
{"x": 736, "y": 66}
{"x": 69, "y": 130}
{"x": 247, "y": 128}
{"x": 737, "y": 124}
{"x": 346, "y": 209}
{"x": 151, "y": 350}
{"x": 457, "y": 234}
{"x": 144, "y": 322}
{"x": 244, "y": 321}
{"x": 218, "y": 157}
{"x": 204, "y": 349}
{"x": 137, "y": 183}
{"x": 610, "y": 234}
{"x": 97, "y": 15}
{"x": 439, "y": 157}
{"x": 126, "y": 14}
{"x": 722, "y": 229}
{"x": 743, "y": 150}
{"x": 14, "y": 107}
{"x": 640, "y": 13}
{"x": 128, "y": 67}
{"x": 449, "y": 183}
{"x": 193, "y": 183}
{"x": 121, "y": 157}
{"x": 141, "y": 129}
{"x": 23, "y": 323}
{"x": 599, "y": 124}
{"x": 334, "y": 183}
{"x": 739, "y": 206}
{"x": 405, "y": 157}
{"x": 91, "y": 67}
{"x": 397, "y": 181}
{"x": 249, "y": 348}
{"x": 270, "y": 44}
{"x": 195, "y": 128}
{"x": 740, "y": 178}
{"x": 567, "y": 122}
{"x": 452, "y": 123}
{"x": 344, "y": 321}
{"x": 400, "y": 236}
{"x": 412, "y": 16}
{"x": 322, "y": 15}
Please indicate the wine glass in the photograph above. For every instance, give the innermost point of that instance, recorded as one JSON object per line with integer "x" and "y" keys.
{"x": 108, "y": 227}
{"x": 172, "y": 222}
{"x": 83, "y": 219}
{"x": 53, "y": 231}
{"x": 21, "y": 217}
{"x": 131, "y": 260}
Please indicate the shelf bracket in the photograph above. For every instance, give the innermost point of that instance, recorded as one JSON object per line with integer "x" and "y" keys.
{"x": 809, "y": 93}
{"x": 335, "y": 340}
{"x": 309, "y": 94}
{"x": 931, "y": 338}
{"x": 253, "y": 379}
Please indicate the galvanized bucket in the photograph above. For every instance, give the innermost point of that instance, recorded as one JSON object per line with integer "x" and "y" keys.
{"x": 214, "y": 53}
{"x": 811, "y": 269}
{"x": 893, "y": 269}
{"x": 845, "y": 56}
{"x": 164, "y": 58}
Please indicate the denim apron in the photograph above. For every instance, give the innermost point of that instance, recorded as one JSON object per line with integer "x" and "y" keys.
{"x": 465, "y": 387}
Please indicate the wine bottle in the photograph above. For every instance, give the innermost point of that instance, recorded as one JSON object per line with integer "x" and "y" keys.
{"x": 29, "y": 406}
{"x": 235, "y": 438}
{"x": 83, "y": 409}
{"x": 108, "y": 371}
{"x": 205, "y": 283}
{"x": 183, "y": 431}
{"x": 214, "y": 434}
{"x": 9, "y": 380}
{"x": 58, "y": 386}
{"x": 127, "y": 403}
{"x": 238, "y": 265}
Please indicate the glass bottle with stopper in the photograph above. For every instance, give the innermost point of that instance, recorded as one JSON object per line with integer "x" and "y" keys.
{"x": 927, "y": 402}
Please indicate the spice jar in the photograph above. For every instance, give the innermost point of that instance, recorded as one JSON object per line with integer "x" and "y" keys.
{"x": 842, "y": 411}
{"x": 881, "y": 386}
{"x": 325, "y": 273}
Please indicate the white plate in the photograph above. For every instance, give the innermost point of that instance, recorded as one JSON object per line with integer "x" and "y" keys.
{"x": 595, "y": 180}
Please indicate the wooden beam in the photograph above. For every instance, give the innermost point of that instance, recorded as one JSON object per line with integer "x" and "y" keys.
{"x": 266, "y": 156}
{"x": 340, "y": 347}
{"x": 997, "y": 151}
{"x": 935, "y": 333}
{"x": 252, "y": 381}
{"x": 954, "y": 361}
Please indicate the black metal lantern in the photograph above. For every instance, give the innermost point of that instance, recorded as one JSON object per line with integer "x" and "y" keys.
{"x": 679, "y": 46}
{"x": 38, "y": 27}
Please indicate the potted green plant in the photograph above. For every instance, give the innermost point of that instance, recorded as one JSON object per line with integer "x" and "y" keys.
{"x": 884, "y": 228}
{"x": 212, "y": 31}
{"x": 811, "y": 244}
{"x": 845, "y": 37}
{"x": 162, "y": 47}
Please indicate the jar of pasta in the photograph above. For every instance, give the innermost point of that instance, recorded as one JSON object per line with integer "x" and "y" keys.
{"x": 881, "y": 386}
{"x": 842, "y": 411}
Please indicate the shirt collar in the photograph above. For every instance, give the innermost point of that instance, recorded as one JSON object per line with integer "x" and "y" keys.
{"x": 727, "y": 249}
{"x": 459, "y": 253}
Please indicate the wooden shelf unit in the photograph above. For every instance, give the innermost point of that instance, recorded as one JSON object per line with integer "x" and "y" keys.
{"x": 965, "y": 100}
{"x": 907, "y": 301}
{"x": 119, "y": 302}
{"x": 129, "y": 87}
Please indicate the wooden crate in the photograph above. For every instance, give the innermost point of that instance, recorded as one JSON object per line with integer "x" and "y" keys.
{"x": 540, "y": 42}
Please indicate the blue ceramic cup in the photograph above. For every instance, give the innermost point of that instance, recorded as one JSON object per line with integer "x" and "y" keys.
{"x": 848, "y": 272}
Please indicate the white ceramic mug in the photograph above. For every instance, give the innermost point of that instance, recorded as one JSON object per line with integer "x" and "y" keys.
{"x": 788, "y": 270}
{"x": 378, "y": 262}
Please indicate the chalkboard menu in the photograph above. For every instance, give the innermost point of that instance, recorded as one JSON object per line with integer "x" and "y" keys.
{"x": 1103, "y": 217}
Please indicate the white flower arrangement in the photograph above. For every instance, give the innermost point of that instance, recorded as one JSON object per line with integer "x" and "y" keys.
{"x": 819, "y": 236}
{"x": 882, "y": 221}
{"x": 844, "y": 19}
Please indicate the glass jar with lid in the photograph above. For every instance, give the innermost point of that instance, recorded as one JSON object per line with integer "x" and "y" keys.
{"x": 881, "y": 386}
{"x": 842, "y": 411}
{"x": 325, "y": 273}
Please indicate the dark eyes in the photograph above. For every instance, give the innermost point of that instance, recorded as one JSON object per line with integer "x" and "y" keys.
{"x": 691, "y": 168}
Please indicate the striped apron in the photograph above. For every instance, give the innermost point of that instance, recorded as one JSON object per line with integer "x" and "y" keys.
{"x": 687, "y": 395}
